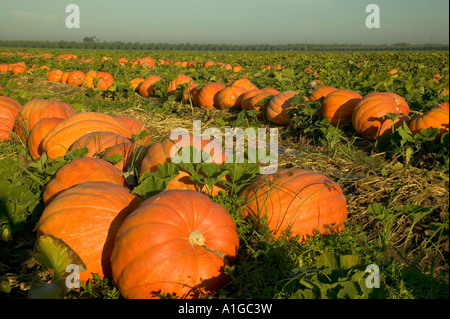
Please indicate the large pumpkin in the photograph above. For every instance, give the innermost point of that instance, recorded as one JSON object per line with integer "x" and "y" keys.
{"x": 436, "y": 117}
{"x": 245, "y": 84}
{"x": 86, "y": 217}
{"x": 55, "y": 75}
{"x": 58, "y": 141}
{"x": 9, "y": 108}
{"x": 162, "y": 152}
{"x": 103, "y": 80}
{"x": 135, "y": 127}
{"x": 132, "y": 155}
{"x": 296, "y": 201}
{"x": 38, "y": 109}
{"x": 76, "y": 78}
{"x": 99, "y": 141}
{"x": 338, "y": 106}
{"x": 37, "y": 134}
{"x": 179, "y": 80}
{"x": 82, "y": 170}
{"x": 367, "y": 117}
{"x": 443, "y": 105}
{"x": 321, "y": 91}
{"x": 147, "y": 87}
{"x": 245, "y": 98}
{"x": 279, "y": 106}
{"x": 207, "y": 97}
{"x": 177, "y": 242}
{"x": 229, "y": 97}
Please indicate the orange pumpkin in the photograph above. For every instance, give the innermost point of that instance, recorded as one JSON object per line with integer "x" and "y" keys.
{"x": 367, "y": 117}
{"x": 207, "y": 97}
{"x": 37, "y": 134}
{"x": 76, "y": 78}
{"x": 279, "y": 106}
{"x": 147, "y": 87}
{"x": 253, "y": 102}
{"x": 97, "y": 142}
{"x": 55, "y": 75}
{"x": 154, "y": 255}
{"x": 87, "y": 217}
{"x": 64, "y": 77}
{"x": 135, "y": 127}
{"x": 297, "y": 201}
{"x": 134, "y": 83}
{"x": 132, "y": 155}
{"x": 38, "y": 109}
{"x": 103, "y": 80}
{"x": 338, "y": 106}
{"x": 321, "y": 91}
{"x": 88, "y": 81}
{"x": 82, "y": 170}
{"x": 191, "y": 93}
{"x": 443, "y": 105}
{"x": 9, "y": 108}
{"x": 180, "y": 79}
{"x": 436, "y": 117}
{"x": 229, "y": 97}
{"x": 245, "y": 83}
{"x": 58, "y": 141}
{"x": 245, "y": 98}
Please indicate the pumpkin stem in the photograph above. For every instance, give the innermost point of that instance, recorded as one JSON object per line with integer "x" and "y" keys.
{"x": 196, "y": 238}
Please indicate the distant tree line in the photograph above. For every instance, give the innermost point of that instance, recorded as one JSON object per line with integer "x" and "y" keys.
{"x": 94, "y": 43}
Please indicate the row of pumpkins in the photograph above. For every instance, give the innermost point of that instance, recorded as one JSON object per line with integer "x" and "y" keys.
{"x": 178, "y": 242}
{"x": 366, "y": 113}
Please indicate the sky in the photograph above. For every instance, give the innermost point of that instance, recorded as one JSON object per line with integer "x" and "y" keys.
{"x": 229, "y": 21}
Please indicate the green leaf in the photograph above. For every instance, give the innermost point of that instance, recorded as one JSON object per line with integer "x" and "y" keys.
{"x": 56, "y": 255}
{"x": 156, "y": 182}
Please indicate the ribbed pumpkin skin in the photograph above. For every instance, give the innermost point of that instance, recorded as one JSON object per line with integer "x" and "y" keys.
{"x": 9, "y": 108}
{"x": 245, "y": 98}
{"x": 245, "y": 83}
{"x": 62, "y": 136}
{"x": 64, "y": 77}
{"x": 132, "y": 154}
{"x": 103, "y": 80}
{"x": 82, "y": 170}
{"x": 297, "y": 200}
{"x": 367, "y": 117}
{"x": 153, "y": 253}
{"x": 147, "y": 87}
{"x": 207, "y": 97}
{"x": 436, "y": 117}
{"x": 135, "y": 127}
{"x": 55, "y": 75}
{"x": 76, "y": 78}
{"x": 180, "y": 79}
{"x": 98, "y": 142}
{"x": 229, "y": 97}
{"x": 279, "y": 106}
{"x": 38, "y": 109}
{"x": 86, "y": 217}
{"x": 338, "y": 106}
{"x": 256, "y": 99}
{"x": 37, "y": 134}
{"x": 88, "y": 80}
{"x": 443, "y": 105}
{"x": 321, "y": 91}
{"x": 161, "y": 152}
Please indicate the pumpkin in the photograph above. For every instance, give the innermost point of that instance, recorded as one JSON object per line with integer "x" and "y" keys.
{"x": 64, "y": 77}
{"x": 191, "y": 93}
{"x": 135, "y": 127}
{"x": 17, "y": 69}
{"x": 338, "y": 106}
{"x": 253, "y": 102}
{"x": 207, "y": 96}
{"x": 38, "y": 109}
{"x": 147, "y": 87}
{"x": 207, "y": 64}
{"x": 97, "y": 142}
{"x": 103, "y": 80}
{"x": 177, "y": 242}
{"x": 9, "y": 108}
{"x": 245, "y": 98}
{"x": 244, "y": 83}
{"x": 132, "y": 155}
{"x": 179, "y": 80}
{"x": 229, "y": 97}
{"x": 367, "y": 117}
{"x": 162, "y": 152}
{"x": 135, "y": 83}
{"x": 295, "y": 201}
{"x": 37, "y": 134}
{"x": 57, "y": 142}
{"x": 55, "y": 75}
{"x": 88, "y": 81}
{"x": 87, "y": 217}
{"x": 443, "y": 105}
{"x": 76, "y": 78}
{"x": 147, "y": 62}
{"x": 436, "y": 117}
{"x": 279, "y": 106}
{"x": 321, "y": 91}
{"x": 3, "y": 68}
{"x": 82, "y": 170}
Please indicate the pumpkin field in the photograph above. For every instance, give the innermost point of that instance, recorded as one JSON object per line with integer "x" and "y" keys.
{"x": 358, "y": 207}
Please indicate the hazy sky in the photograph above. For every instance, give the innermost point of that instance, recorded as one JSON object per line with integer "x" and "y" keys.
{"x": 228, "y": 21}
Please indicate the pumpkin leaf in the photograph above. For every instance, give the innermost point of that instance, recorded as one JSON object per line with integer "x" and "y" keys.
{"x": 56, "y": 256}
{"x": 152, "y": 183}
